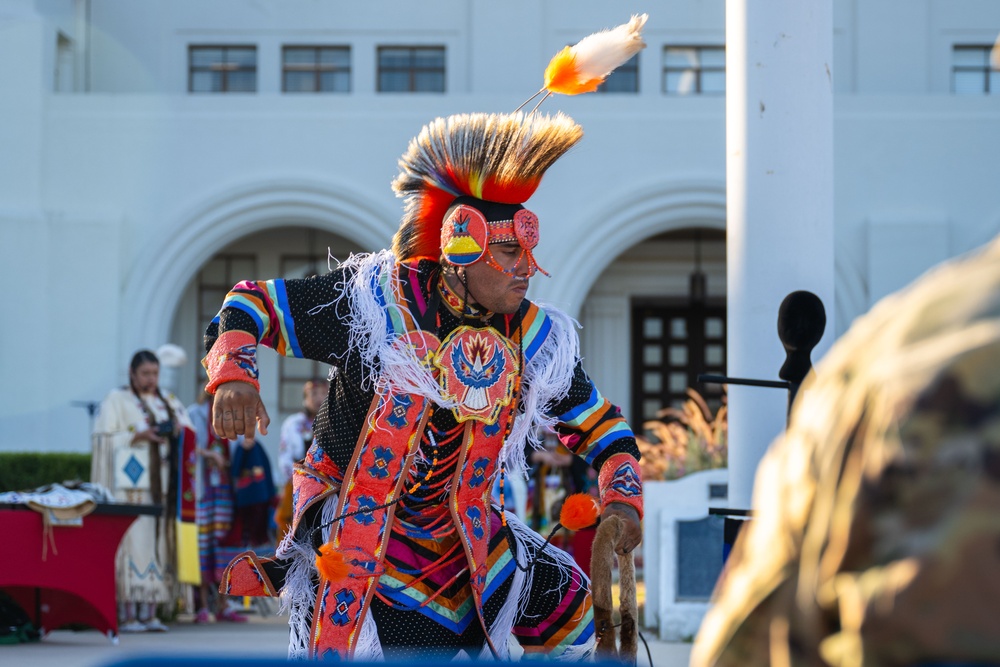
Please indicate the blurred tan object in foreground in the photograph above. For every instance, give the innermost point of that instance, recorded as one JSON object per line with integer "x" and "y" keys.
{"x": 876, "y": 539}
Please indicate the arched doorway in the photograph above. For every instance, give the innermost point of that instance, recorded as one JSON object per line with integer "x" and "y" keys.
{"x": 286, "y": 252}
{"x": 651, "y": 325}
{"x": 182, "y": 247}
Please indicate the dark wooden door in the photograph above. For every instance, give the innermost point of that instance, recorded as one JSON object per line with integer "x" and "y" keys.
{"x": 672, "y": 343}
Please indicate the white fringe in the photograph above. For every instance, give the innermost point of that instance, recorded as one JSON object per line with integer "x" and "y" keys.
{"x": 547, "y": 377}
{"x": 286, "y": 548}
{"x": 503, "y": 624}
{"x": 367, "y": 321}
{"x": 578, "y": 653}
{"x": 298, "y": 595}
{"x": 528, "y": 543}
{"x": 368, "y": 648}
{"x": 297, "y": 598}
{"x": 399, "y": 370}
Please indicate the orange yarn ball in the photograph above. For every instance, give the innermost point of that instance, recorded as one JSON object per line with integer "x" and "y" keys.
{"x": 331, "y": 564}
{"x": 579, "y": 511}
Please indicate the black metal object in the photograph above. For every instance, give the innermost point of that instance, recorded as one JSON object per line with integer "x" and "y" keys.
{"x": 801, "y": 322}
{"x": 91, "y": 406}
{"x": 725, "y": 379}
{"x": 727, "y": 511}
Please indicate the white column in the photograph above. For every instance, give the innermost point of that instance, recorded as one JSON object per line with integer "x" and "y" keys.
{"x": 779, "y": 173}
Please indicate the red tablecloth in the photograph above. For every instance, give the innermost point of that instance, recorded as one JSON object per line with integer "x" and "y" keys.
{"x": 75, "y": 585}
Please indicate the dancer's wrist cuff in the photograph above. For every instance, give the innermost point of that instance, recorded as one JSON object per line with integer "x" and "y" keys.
{"x": 233, "y": 358}
{"x": 620, "y": 481}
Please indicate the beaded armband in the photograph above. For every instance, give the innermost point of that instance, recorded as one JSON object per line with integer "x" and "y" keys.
{"x": 621, "y": 482}
{"x": 233, "y": 358}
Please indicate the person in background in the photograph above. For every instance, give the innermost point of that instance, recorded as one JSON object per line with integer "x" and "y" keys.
{"x": 296, "y": 438}
{"x": 254, "y": 495}
{"x": 135, "y": 434}
{"x": 214, "y": 514}
{"x": 200, "y": 414}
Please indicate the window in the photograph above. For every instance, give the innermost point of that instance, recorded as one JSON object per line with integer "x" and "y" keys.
{"x": 215, "y": 280}
{"x": 222, "y": 69}
{"x": 671, "y": 346}
{"x": 316, "y": 69}
{"x": 418, "y": 69}
{"x": 972, "y": 73}
{"x": 293, "y": 373}
{"x": 625, "y": 79}
{"x": 694, "y": 70}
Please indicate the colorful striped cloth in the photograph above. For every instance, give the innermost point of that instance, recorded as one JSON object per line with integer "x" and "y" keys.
{"x": 215, "y": 519}
{"x": 431, "y": 575}
{"x": 599, "y": 419}
{"x": 266, "y": 302}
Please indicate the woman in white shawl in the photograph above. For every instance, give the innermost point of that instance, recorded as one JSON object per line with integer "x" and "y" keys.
{"x": 132, "y": 454}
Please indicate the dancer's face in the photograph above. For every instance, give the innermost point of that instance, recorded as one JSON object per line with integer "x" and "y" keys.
{"x": 494, "y": 290}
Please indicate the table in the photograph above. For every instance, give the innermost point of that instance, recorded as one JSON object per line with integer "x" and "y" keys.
{"x": 75, "y": 586}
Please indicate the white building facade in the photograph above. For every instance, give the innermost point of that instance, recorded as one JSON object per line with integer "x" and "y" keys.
{"x": 153, "y": 153}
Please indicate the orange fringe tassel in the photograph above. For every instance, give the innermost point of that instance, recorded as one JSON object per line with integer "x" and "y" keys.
{"x": 330, "y": 563}
{"x": 579, "y": 511}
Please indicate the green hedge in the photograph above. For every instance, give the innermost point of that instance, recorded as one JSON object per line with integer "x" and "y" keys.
{"x": 20, "y": 471}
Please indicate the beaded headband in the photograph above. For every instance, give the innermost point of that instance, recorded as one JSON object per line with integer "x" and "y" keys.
{"x": 497, "y": 158}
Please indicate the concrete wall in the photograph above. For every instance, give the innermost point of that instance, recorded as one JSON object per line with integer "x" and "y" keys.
{"x": 113, "y": 197}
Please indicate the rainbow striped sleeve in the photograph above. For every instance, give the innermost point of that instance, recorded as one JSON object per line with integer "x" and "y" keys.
{"x": 596, "y": 421}
{"x": 534, "y": 328}
{"x": 266, "y": 302}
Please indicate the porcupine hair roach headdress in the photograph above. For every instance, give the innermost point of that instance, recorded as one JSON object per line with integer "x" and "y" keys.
{"x": 494, "y": 157}
{"x": 479, "y": 168}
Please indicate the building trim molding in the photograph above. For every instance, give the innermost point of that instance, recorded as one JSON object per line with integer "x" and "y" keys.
{"x": 182, "y": 247}
{"x": 633, "y": 216}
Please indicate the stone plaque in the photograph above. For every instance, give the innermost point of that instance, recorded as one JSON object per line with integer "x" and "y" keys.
{"x": 699, "y": 557}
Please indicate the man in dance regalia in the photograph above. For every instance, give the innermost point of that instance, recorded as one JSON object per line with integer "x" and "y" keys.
{"x": 444, "y": 372}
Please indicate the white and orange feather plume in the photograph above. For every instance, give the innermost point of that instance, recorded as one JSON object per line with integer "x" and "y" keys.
{"x": 581, "y": 68}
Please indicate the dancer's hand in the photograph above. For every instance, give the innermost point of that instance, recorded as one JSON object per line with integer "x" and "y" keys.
{"x": 633, "y": 530}
{"x": 238, "y": 410}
